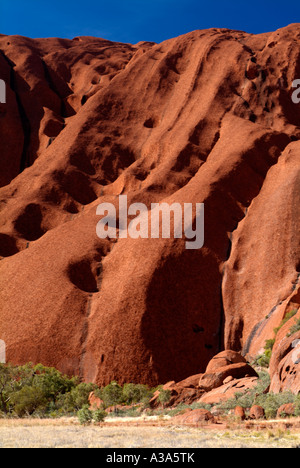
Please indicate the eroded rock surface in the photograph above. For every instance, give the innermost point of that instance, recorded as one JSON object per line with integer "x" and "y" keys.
{"x": 203, "y": 118}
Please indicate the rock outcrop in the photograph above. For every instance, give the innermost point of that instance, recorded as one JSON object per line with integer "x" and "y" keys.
{"x": 227, "y": 391}
{"x": 284, "y": 366}
{"x": 224, "y": 368}
{"x": 257, "y": 412}
{"x": 203, "y": 118}
{"x": 217, "y": 385}
{"x": 286, "y": 411}
{"x": 194, "y": 418}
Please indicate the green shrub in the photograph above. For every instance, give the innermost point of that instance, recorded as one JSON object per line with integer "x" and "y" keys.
{"x": 269, "y": 345}
{"x": 51, "y": 382}
{"x": 28, "y": 400}
{"x": 288, "y": 316}
{"x": 272, "y": 402}
{"x": 263, "y": 383}
{"x": 6, "y": 379}
{"x": 28, "y": 390}
{"x": 133, "y": 394}
{"x": 111, "y": 395}
{"x": 264, "y": 359}
{"x": 269, "y": 404}
{"x": 126, "y": 413}
{"x": 76, "y": 399}
{"x": 164, "y": 397}
{"x": 248, "y": 398}
{"x": 99, "y": 415}
{"x": 297, "y": 406}
{"x": 85, "y": 416}
{"x": 130, "y": 394}
{"x": 295, "y": 328}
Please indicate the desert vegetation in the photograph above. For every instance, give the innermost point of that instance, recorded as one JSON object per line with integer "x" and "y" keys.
{"x": 260, "y": 396}
{"x": 39, "y": 391}
{"x": 42, "y": 392}
{"x": 264, "y": 359}
{"x": 41, "y": 407}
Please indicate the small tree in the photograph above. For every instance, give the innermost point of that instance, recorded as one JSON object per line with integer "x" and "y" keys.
{"x": 133, "y": 393}
{"x": 77, "y": 398}
{"x": 6, "y": 377}
{"x": 111, "y": 395}
{"x": 27, "y": 400}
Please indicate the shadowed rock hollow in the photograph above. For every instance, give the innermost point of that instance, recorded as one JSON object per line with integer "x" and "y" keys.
{"x": 203, "y": 118}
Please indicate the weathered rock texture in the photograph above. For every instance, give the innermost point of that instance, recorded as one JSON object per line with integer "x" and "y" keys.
{"x": 194, "y": 418}
{"x": 257, "y": 412}
{"x": 206, "y": 117}
{"x": 219, "y": 383}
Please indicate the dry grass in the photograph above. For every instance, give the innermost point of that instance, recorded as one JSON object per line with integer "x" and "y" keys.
{"x": 66, "y": 433}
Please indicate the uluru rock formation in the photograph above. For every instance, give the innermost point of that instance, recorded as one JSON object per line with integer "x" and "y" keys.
{"x": 207, "y": 117}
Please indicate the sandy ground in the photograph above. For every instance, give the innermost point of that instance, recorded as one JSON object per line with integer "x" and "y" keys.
{"x": 139, "y": 434}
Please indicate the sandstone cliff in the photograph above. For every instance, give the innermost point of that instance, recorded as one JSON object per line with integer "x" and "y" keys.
{"x": 203, "y": 118}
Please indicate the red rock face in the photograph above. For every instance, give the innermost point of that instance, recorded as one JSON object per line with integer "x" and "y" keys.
{"x": 194, "y": 418}
{"x": 203, "y": 118}
{"x": 257, "y": 412}
{"x": 227, "y": 391}
{"x": 286, "y": 411}
{"x": 285, "y": 360}
{"x": 239, "y": 412}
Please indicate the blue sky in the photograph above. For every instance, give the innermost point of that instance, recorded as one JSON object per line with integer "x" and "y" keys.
{"x": 136, "y": 20}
